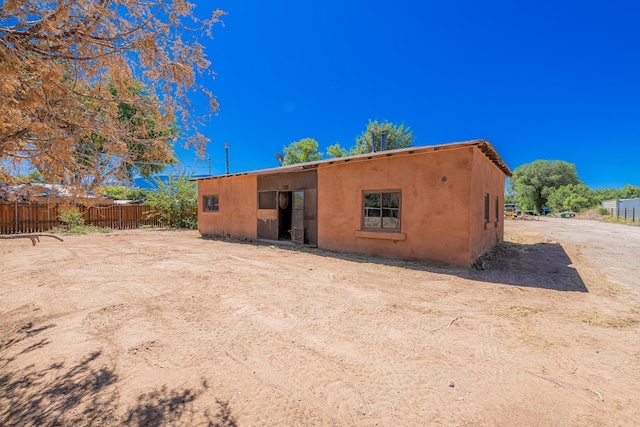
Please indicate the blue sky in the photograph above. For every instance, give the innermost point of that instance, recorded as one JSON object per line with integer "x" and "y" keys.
{"x": 555, "y": 80}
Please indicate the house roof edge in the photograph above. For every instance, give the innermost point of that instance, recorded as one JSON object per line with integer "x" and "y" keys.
{"x": 483, "y": 145}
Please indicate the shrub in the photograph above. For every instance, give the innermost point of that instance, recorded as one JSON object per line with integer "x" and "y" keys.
{"x": 72, "y": 218}
{"x": 175, "y": 202}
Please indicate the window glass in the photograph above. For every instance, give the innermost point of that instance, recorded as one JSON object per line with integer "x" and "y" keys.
{"x": 381, "y": 210}
{"x": 486, "y": 208}
{"x": 371, "y": 210}
{"x": 391, "y": 210}
{"x": 267, "y": 200}
{"x": 211, "y": 203}
{"x": 298, "y": 200}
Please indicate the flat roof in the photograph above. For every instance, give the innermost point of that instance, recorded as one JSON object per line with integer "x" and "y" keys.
{"x": 484, "y": 146}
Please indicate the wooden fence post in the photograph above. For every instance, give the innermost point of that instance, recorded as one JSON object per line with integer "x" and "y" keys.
{"x": 17, "y": 222}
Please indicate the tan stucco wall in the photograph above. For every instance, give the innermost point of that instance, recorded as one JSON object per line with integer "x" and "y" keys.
{"x": 436, "y": 192}
{"x": 237, "y": 216}
{"x": 487, "y": 179}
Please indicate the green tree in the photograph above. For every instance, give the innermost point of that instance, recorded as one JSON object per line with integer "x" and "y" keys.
{"x": 124, "y": 193}
{"x": 572, "y": 197}
{"x": 510, "y": 196}
{"x": 629, "y": 192}
{"x": 175, "y": 202}
{"x": 305, "y": 150}
{"x": 335, "y": 150}
{"x": 144, "y": 125}
{"x": 398, "y": 136}
{"x": 31, "y": 178}
{"x": 601, "y": 194}
{"x": 145, "y": 138}
{"x": 534, "y": 182}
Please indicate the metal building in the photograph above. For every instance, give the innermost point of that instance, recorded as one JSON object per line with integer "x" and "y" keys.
{"x": 628, "y": 208}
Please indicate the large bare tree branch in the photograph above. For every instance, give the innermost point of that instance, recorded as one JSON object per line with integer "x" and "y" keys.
{"x": 33, "y": 237}
{"x": 68, "y": 67}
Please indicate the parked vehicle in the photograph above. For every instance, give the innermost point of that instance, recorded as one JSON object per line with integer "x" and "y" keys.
{"x": 511, "y": 210}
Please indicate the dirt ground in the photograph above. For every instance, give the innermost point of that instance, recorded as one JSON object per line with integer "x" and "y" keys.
{"x": 153, "y": 327}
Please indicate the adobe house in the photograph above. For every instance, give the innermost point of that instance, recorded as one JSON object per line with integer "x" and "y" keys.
{"x": 435, "y": 203}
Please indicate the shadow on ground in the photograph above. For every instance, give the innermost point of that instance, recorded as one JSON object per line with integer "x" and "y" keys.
{"x": 538, "y": 265}
{"x": 87, "y": 393}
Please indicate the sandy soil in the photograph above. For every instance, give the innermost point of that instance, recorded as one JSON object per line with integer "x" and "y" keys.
{"x": 154, "y": 327}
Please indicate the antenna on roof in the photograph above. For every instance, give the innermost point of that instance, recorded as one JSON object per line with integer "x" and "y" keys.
{"x": 280, "y": 158}
{"x": 226, "y": 149}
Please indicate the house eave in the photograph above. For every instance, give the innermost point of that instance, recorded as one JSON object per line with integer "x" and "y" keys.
{"x": 484, "y": 146}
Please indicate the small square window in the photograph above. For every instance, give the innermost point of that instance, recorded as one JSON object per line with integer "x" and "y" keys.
{"x": 381, "y": 211}
{"x": 210, "y": 203}
{"x": 267, "y": 200}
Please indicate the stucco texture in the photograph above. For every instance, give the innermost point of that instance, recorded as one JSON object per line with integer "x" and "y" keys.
{"x": 442, "y": 204}
{"x": 485, "y": 180}
{"x": 435, "y": 215}
{"x": 237, "y": 215}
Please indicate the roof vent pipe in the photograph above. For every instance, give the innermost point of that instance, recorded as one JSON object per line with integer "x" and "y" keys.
{"x": 383, "y": 140}
{"x": 373, "y": 142}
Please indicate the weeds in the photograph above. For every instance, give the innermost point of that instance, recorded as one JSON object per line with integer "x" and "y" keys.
{"x": 594, "y": 318}
{"x": 74, "y": 223}
{"x": 621, "y": 220}
{"x": 81, "y": 229}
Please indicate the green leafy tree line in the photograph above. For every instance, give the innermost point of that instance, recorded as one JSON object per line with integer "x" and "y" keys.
{"x": 306, "y": 150}
{"x": 124, "y": 193}
{"x": 555, "y": 184}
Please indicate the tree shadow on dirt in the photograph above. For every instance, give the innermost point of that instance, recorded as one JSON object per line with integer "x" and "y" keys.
{"x": 87, "y": 393}
{"x": 20, "y": 332}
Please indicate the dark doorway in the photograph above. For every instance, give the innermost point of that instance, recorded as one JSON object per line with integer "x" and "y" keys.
{"x": 284, "y": 215}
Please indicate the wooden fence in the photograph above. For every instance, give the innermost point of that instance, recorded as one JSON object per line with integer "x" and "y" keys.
{"x": 18, "y": 218}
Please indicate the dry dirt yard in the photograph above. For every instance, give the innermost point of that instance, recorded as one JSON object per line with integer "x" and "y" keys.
{"x": 153, "y": 327}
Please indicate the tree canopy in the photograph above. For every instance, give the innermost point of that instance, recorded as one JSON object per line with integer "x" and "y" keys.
{"x": 398, "y": 136}
{"x": 70, "y": 73}
{"x": 336, "y": 150}
{"x": 572, "y": 197}
{"x": 534, "y": 182}
{"x": 305, "y": 150}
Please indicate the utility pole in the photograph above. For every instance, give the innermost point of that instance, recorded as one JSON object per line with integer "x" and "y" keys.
{"x": 209, "y": 161}
{"x": 226, "y": 149}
